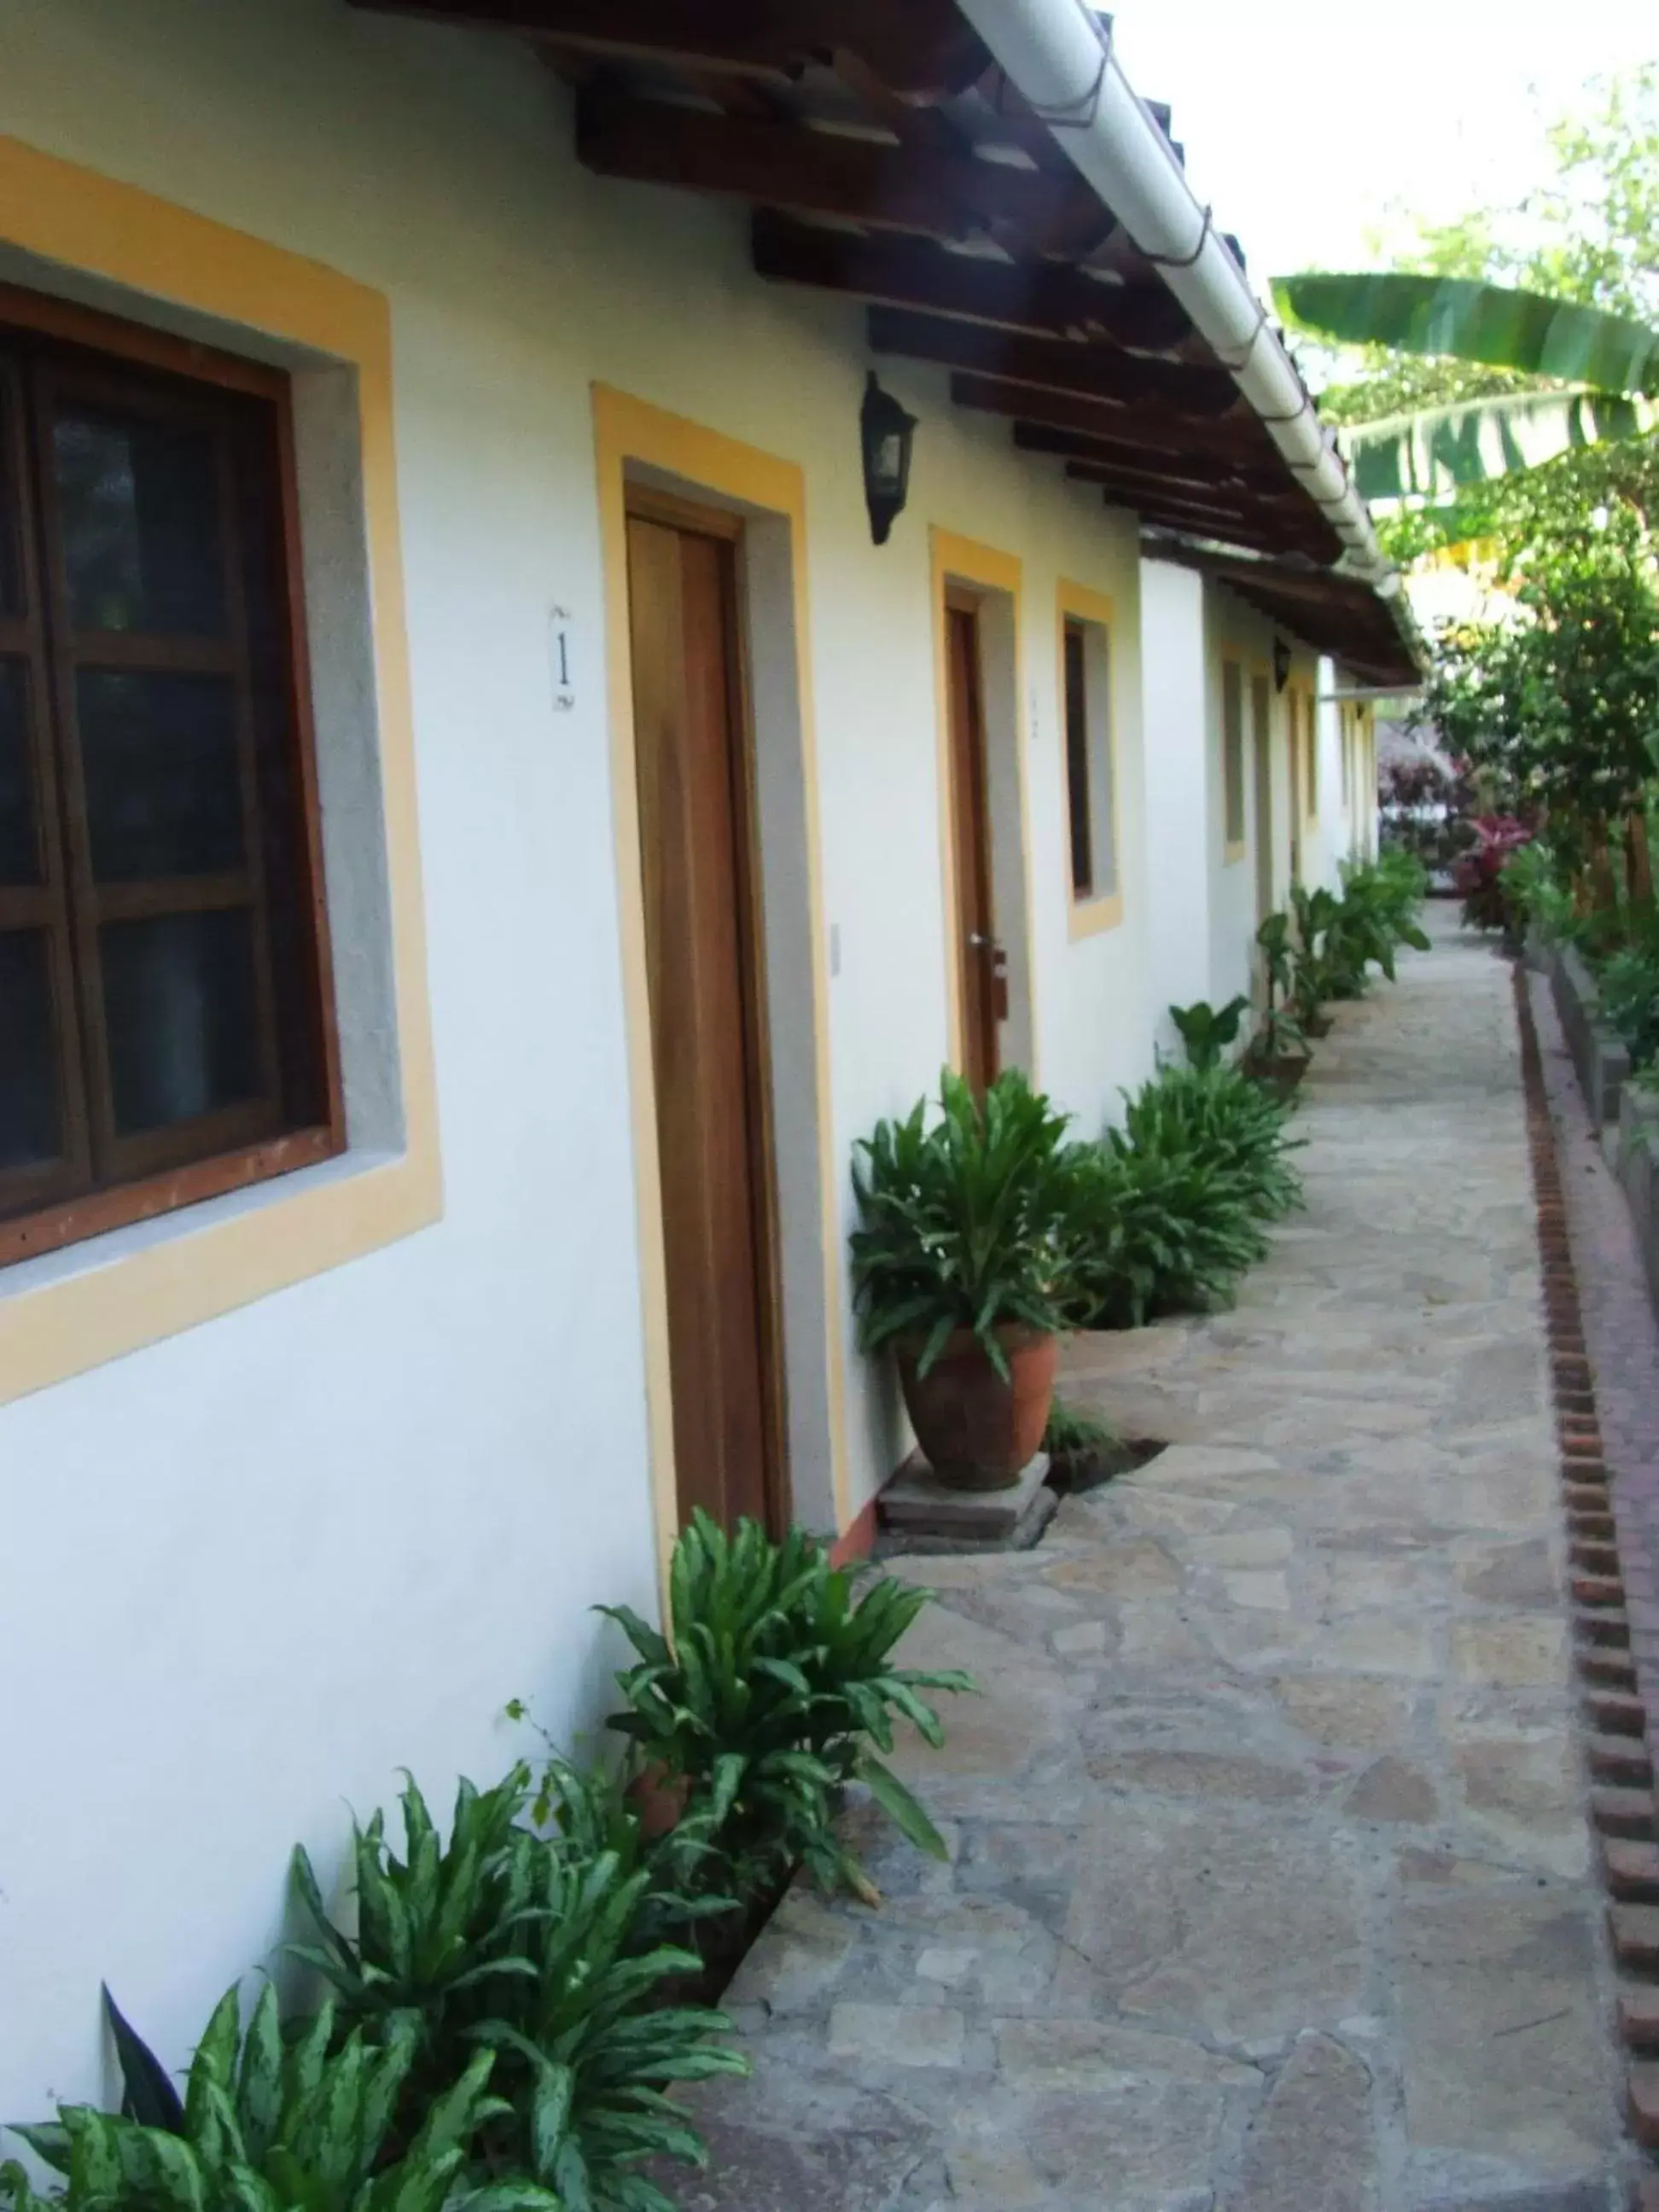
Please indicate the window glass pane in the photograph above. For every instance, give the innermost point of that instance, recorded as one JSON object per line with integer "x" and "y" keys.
{"x": 178, "y": 1013}
{"x": 164, "y": 795}
{"x": 139, "y": 503}
{"x": 28, "y": 1088}
{"x": 1077, "y": 763}
{"x": 20, "y": 845}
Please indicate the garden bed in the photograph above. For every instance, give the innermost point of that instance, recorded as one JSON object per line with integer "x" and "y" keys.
{"x": 1637, "y": 1165}
{"x": 1598, "y": 1052}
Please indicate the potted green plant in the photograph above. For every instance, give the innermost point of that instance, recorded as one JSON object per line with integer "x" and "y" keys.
{"x": 1278, "y": 1053}
{"x": 1206, "y": 1031}
{"x": 961, "y": 1268}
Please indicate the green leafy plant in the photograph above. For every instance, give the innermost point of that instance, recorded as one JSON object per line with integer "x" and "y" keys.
{"x": 590, "y": 1812}
{"x": 960, "y": 1219}
{"x": 1629, "y": 989}
{"x": 1279, "y": 1035}
{"x": 504, "y": 1941}
{"x": 1218, "y": 1116}
{"x": 1070, "y": 1433}
{"x": 1207, "y": 1030}
{"x": 1534, "y": 890}
{"x": 1168, "y": 1211}
{"x": 1609, "y": 362}
{"x": 268, "y": 2124}
{"x": 777, "y": 1689}
{"x": 1158, "y": 1235}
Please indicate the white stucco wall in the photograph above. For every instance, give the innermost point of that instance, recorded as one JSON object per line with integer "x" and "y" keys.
{"x": 1183, "y": 826}
{"x": 251, "y": 1570}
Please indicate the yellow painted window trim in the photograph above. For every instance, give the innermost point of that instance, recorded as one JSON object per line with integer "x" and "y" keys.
{"x": 953, "y": 559}
{"x": 628, "y": 430}
{"x": 1095, "y": 913}
{"x": 187, "y": 1270}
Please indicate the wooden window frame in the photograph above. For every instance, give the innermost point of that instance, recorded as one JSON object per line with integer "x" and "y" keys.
{"x": 1234, "y": 806}
{"x": 1077, "y": 608}
{"x": 161, "y": 1184}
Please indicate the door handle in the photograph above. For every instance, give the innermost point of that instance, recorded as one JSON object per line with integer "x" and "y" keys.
{"x": 981, "y": 942}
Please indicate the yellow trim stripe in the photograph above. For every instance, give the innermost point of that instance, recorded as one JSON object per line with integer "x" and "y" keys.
{"x": 64, "y": 213}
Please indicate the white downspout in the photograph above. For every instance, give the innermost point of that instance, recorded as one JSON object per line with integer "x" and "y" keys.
{"x": 1060, "y": 57}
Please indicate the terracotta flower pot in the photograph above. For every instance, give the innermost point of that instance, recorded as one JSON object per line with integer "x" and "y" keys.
{"x": 976, "y": 1430}
{"x": 659, "y": 1799}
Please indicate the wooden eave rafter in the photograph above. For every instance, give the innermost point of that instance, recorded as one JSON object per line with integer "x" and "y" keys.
{"x": 923, "y": 48}
{"x": 872, "y": 136}
{"x": 1170, "y": 463}
{"x": 1330, "y": 614}
{"x": 870, "y": 180}
{"x": 1031, "y": 295}
{"x": 1089, "y": 371}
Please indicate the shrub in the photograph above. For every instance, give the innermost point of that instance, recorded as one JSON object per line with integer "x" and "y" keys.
{"x": 959, "y": 1219}
{"x": 1481, "y": 873}
{"x": 1206, "y": 1031}
{"x": 1281, "y": 1036}
{"x": 1168, "y": 1211}
{"x": 1219, "y": 1116}
{"x": 501, "y": 1941}
{"x": 1157, "y": 1235}
{"x": 1629, "y": 988}
{"x": 767, "y": 1701}
{"x": 1533, "y": 891}
{"x": 268, "y": 2122}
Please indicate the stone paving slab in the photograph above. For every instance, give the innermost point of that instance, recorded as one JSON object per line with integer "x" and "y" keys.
{"x": 1270, "y": 1882}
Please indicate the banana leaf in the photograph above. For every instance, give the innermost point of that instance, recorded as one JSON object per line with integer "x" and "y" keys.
{"x": 1432, "y": 451}
{"x": 1476, "y": 322}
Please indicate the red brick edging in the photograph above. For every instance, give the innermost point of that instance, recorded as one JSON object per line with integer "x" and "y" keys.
{"x": 1622, "y": 1804}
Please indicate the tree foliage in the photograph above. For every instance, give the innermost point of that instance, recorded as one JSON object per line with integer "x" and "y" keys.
{"x": 1587, "y": 233}
{"x": 1559, "y": 707}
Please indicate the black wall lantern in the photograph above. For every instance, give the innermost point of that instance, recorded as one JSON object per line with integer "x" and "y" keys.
{"x": 1281, "y": 664}
{"x": 886, "y": 431}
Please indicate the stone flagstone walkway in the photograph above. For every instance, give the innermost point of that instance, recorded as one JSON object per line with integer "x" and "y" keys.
{"x": 1270, "y": 1887}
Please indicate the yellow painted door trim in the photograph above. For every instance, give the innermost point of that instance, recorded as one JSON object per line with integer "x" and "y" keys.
{"x": 629, "y": 431}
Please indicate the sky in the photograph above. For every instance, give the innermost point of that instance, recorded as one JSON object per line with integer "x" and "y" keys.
{"x": 1303, "y": 119}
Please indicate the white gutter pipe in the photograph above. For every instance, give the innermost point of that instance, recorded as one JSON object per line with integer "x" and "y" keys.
{"x": 1058, "y": 54}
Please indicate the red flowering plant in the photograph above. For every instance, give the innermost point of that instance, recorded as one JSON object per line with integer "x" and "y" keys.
{"x": 1478, "y": 872}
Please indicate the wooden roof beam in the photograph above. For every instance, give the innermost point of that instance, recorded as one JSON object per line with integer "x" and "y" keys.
{"x": 1220, "y": 490}
{"x": 1041, "y": 298}
{"x": 924, "y": 48}
{"x": 1244, "y": 465}
{"x": 823, "y": 173}
{"x": 1153, "y": 425}
{"x": 1092, "y": 371}
{"x": 1255, "y": 536}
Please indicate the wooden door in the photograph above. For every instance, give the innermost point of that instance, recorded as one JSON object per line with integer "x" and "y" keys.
{"x": 977, "y": 953}
{"x": 702, "y": 952}
{"x": 1261, "y": 734}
